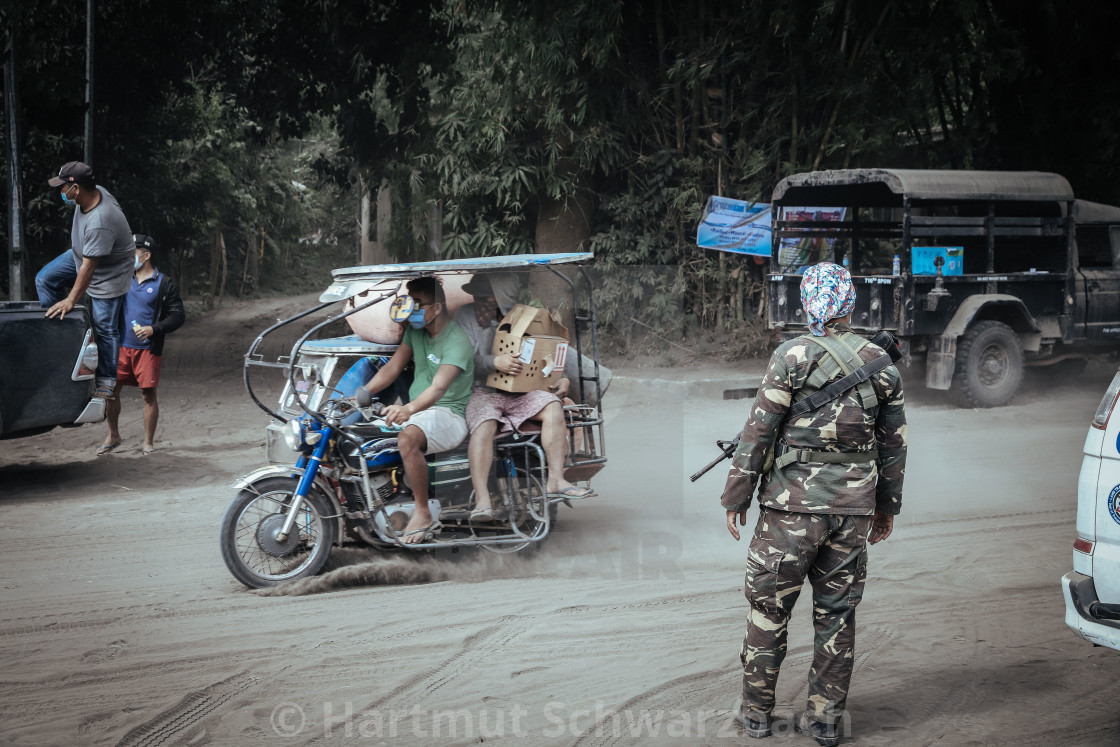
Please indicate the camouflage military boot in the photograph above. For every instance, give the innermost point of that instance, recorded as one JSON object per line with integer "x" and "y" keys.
{"x": 827, "y": 735}
{"x": 754, "y": 728}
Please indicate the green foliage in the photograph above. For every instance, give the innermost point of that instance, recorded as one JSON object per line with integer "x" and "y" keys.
{"x": 489, "y": 119}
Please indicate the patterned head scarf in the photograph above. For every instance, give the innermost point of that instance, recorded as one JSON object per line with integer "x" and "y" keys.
{"x": 826, "y": 293}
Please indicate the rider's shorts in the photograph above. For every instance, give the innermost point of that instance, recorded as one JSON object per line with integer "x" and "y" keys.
{"x": 443, "y": 427}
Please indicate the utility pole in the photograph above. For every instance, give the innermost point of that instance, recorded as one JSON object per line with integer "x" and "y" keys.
{"x": 90, "y": 12}
{"x": 15, "y": 204}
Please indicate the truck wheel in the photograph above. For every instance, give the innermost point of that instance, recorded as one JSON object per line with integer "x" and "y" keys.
{"x": 989, "y": 365}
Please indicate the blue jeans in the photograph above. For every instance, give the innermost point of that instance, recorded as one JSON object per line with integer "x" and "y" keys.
{"x": 56, "y": 277}
{"x": 52, "y": 284}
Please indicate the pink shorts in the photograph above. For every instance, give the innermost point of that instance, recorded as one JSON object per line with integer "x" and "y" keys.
{"x": 138, "y": 368}
{"x": 510, "y": 410}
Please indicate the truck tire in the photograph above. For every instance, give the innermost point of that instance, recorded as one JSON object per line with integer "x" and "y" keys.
{"x": 989, "y": 365}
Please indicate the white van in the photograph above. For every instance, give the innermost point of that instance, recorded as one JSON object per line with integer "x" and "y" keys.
{"x": 1092, "y": 588}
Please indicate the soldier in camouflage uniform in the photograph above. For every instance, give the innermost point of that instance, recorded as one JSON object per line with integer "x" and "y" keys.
{"x": 818, "y": 507}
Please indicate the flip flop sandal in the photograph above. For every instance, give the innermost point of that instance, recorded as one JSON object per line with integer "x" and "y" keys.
{"x": 103, "y": 392}
{"x": 482, "y": 514}
{"x": 106, "y": 448}
{"x": 146, "y": 452}
{"x": 429, "y": 532}
{"x": 574, "y": 491}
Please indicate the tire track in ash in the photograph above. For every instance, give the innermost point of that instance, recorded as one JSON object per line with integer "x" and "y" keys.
{"x": 582, "y": 609}
{"x": 116, "y": 615}
{"x": 638, "y": 720}
{"x": 484, "y": 645}
{"x": 175, "y": 723}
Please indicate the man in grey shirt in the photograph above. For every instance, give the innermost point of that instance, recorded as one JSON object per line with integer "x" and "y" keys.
{"x": 99, "y": 262}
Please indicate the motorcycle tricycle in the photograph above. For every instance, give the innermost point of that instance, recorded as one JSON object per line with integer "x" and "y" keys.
{"x": 336, "y": 474}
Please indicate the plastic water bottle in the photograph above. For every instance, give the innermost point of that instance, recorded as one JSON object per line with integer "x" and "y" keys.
{"x": 135, "y": 327}
{"x": 896, "y": 266}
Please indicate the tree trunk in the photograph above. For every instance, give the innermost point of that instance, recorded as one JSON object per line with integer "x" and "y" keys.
{"x": 16, "y": 256}
{"x": 225, "y": 268}
{"x": 562, "y": 226}
{"x": 215, "y": 266}
{"x": 250, "y": 275}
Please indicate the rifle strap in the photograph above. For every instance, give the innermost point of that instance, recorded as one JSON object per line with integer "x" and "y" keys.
{"x": 823, "y": 396}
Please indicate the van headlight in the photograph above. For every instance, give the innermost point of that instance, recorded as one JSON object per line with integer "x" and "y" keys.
{"x": 293, "y": 434}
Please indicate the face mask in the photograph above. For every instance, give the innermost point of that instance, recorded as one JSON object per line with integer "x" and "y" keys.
{"x": 66, "y": 199}
{"x": 416, "y": 319}
{"x": 137, "y": 264}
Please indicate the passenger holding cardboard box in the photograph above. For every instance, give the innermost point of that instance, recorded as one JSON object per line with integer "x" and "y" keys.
{"x": 536, "y": 382}
{"x": 433, "y": 420}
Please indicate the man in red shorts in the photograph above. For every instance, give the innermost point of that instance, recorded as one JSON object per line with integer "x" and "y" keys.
{"x": 152, "y": 308}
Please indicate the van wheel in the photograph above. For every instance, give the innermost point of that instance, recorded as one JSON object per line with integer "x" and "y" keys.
{"x": 989, "y": 365}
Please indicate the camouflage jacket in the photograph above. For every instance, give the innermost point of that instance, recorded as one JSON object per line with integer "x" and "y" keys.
{"x": 842, "y": 425}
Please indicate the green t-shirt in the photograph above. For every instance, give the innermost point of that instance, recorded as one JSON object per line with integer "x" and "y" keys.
{"x": 452, "y": 347}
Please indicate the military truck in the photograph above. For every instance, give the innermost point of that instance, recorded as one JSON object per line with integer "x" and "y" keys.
{"x": 978, "y": 272}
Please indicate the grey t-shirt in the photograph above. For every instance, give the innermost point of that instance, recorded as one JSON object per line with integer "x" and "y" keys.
{"x": 482, "y": 340}
{"x": 103, "y": 233}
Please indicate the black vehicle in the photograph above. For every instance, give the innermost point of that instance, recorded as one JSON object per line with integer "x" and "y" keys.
{"x": 47, "y": 370}
{"x": 980, "y": 272}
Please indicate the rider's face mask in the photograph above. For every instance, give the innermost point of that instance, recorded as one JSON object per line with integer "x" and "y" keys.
{"x": 418, "y": 316}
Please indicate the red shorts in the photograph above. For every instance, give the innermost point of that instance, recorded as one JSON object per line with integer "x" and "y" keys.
{"x": 138, "y": 368}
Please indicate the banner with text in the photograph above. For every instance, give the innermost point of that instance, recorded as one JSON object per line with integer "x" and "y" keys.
{"x": 735, "y": 226}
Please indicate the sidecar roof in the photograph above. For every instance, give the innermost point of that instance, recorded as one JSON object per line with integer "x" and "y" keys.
{"x": 350, "y": 281}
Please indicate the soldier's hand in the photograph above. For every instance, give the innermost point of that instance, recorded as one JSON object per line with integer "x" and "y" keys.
{"x": 881, "y": 526}
{"x": 731, "y": 522}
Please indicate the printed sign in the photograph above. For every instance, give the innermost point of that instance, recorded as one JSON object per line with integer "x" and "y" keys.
{"x": 796, "y": 254}
{"x": 1114, "y": 504}
{"x": 735, "y": 226}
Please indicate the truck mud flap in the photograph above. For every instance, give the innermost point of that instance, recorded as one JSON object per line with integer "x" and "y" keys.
{"x": 941, "y": 361}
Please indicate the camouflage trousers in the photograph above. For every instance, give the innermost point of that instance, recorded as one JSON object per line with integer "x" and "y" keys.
{"x": 831, "y": 550}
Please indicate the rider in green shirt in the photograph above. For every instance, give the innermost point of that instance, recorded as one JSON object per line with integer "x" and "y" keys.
{"x": 433, "y": 420}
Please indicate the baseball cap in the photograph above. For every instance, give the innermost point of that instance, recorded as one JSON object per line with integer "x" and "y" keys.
{"x": 143, "y": 241}
{"x": 72, "y": 172}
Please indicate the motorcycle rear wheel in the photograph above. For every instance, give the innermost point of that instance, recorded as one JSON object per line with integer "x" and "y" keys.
{"x": 250, "y": 521}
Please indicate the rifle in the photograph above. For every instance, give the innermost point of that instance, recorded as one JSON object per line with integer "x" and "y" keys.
{"x": 884, "y": 339}
{"x": 728, "y": 449}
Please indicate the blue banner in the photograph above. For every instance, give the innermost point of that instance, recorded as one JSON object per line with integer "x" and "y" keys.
{"x": 735, "y": 226}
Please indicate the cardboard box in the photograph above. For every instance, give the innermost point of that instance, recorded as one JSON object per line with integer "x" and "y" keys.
{"x": 539, "y": 340}
{"x": 922, "y": 257}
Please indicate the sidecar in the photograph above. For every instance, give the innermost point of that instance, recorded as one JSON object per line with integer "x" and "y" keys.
{"x": 350, "y": 484}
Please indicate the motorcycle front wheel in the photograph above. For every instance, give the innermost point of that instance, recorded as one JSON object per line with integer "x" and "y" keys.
{"x": 250, "y": 548}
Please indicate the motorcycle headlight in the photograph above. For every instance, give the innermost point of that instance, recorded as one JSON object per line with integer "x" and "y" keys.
{"x": 293, "y": 434}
